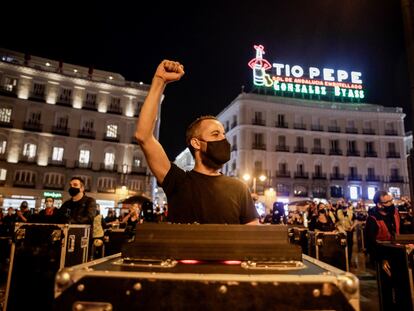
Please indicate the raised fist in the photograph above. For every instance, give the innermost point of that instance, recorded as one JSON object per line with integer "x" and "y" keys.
{"x": 169, "y": 71}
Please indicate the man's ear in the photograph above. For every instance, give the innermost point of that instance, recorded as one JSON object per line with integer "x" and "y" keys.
{"x": 195, "y": 143}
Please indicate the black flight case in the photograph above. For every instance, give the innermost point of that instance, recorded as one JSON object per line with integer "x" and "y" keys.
{"x": 207, "y": 267}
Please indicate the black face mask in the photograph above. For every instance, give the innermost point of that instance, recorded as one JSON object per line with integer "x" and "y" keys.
{"x": 322, "y": 211}
{"x": 389, "y": 208}
{"x": 73, "y": 191}
{"x": 216, "y": 154}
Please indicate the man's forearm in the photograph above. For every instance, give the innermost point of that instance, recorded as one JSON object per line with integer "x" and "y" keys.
{"x": 148, "y": 115}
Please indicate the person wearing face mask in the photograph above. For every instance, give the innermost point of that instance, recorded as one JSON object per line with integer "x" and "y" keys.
{"x": 202, "y": 195}
{"x": 79, "y": 209}
{"x": 50, "y": 214}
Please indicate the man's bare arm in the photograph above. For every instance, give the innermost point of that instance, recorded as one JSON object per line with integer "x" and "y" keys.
{"x": 157, "y": 159}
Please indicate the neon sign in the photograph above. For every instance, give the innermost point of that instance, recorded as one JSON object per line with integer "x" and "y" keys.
{"x": 287, "y": 79}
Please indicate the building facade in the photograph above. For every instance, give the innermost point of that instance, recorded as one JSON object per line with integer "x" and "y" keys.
{"x": 61, "y": 120}
{"x": 317, "y": 149}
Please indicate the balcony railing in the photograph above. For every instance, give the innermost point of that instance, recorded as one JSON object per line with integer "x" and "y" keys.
{"x": 368, "y": 131}
{"x": 334, "y": 129}
{"x": 337, "y": 176}
{"x": 60, "y": 130}
{"x": 57, "y": 162}
{"x": 390, "y": 132}
{"x": 393, "y": 154}
{"x": 114, "y": 109}
{"x": 282, "y": 125}
{"x": 27, "y": 159}
{"x": 53, "y": 186}
{"x": 37, "y": 96}
{"x": 89, "y": 105}
{"x": 283, "y": 174}
{"x": 64, "y": 101}
{"x": 318, "y": 176}
{"x": 351, "y": 130}
{"x": 86, "y": 133}
{"x": 299, "y": 126}
{"x": 300, "y": 149}
{"x": 8, "y": 124}
{"x": 87, "y": 165}
{"x": 113, "y": 139}
{"x": 318, "y": 150}
{"x": 317, "y": 127}
{"x": 355, "y": 177}
{"x": 371, "y": 154}
{"x": 282, "y": 148}
{"x": 260, "y": 122}
{"x": 138, "y": 170}
{"x": 335, "y": 152}
{"x": 396, "y": 178}
{"x": 32, "y": 126}
{"x": 259, "y": 146}
{"x": 353, "y": 153}
{"x": 373, "y": 178}
{"x": 24, "y": 183}
{"x": 7, "y": 90}
{"x": 303, "y": 175}
{"x": 233, "y": 125}
{"x": 108, "y": 167}
{"x": 234, "y": 147}
{"x": 106, "y": 190}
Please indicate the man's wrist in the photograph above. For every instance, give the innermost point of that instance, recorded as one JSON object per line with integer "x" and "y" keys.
{"x": 159, "y": 80}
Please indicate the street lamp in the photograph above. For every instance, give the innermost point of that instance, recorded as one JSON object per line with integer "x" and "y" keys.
{"x": 247, "y": 177}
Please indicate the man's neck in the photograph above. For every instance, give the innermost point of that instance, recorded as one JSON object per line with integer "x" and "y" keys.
{"x": 201, "y": 168}
{"x": 78, "y": 196}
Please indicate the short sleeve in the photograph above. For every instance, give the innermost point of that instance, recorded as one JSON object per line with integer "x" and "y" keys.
{"x": 248, "y": 211}
{"x": 173, "y": 178}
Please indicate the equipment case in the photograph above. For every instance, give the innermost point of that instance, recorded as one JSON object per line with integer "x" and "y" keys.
{"x": 205, "y": 267}
{"x": 37, "y": 253}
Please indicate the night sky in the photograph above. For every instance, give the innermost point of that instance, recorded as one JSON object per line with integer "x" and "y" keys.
{"x": 214, "y": 41}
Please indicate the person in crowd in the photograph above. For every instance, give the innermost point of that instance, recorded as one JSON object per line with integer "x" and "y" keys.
{"x": 79, "y": 209}
{"x": 347, "y": 223}
{"x": 99, "y": 226}
{"x": 8, "y": 221}
{"x": 133, "y": 218}
{"x": 202, "y": 195}
{"x": 23, "y": 213}
{"x": 50, "y": 214}
{"x": 110, "y": 217}
{"x": 323, "y": 221}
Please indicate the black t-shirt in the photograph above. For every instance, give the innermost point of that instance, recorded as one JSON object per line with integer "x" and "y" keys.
{"x": 195, "y": 197}
{"x": 80, "y": 212}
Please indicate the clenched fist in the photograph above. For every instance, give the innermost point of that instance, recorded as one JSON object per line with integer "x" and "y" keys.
{"x": 169, "y": 71}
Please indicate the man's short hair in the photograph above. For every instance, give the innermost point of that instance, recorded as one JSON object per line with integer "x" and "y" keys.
{"x": 192, "y": 130}
{"x": 80, "y": 179}
{"x": 49, "y": 198}
{"x": 378, "y": 195}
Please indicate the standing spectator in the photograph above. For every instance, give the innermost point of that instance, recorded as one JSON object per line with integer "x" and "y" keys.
{"x": 346, "y": 222}
{"x": 323, "y": 221}
{"x": 8, "y": 221}
{"x": 132, "y": 218}
{"x": 50, "y": 214}
{"x": 23, "y": 214}
{"x": 111, "y": 217}
{"x": 98, "y": 234}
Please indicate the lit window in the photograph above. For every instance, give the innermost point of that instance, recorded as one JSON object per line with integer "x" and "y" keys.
{"x": 136, "y": 162}
{"x": 57, "y": 154}
{"x": 29, "y": 150}
{"x": 111, "y": 130}
{"x": 3, "y": 145}
{"x": 371, "y": 192}
{"x": 84, "y": 156}
{"x": 3, "y": 174}
{"x": 109, "y": 159}
{"x": 5, "y": 115}
{"x": 395, "y": 191}
{"x": 353, "y": 192}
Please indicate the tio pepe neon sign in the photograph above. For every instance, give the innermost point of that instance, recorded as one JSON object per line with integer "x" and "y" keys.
{"x": 312, "y": 81}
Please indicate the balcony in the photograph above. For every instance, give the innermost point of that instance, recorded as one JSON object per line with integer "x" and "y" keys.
{"x": 113, "y": 139}
{"x": 373, "y": 178}
{"x": 233, "y": 125}
{"x": 335, "y": 152}
{"x": 24, "y": 183}
{"x": 28, "y": 159}
{"x": 337, "y": 176}
{"x": 260, "y": 122}
{"x": 282, "y": 125}
{"x": 391, "y": 132}
{"x": 285, "y": 174}
{"x": 396, "y": 179}
{"x": 355, "y": 177}
{"x": 234, "y": 147}
{"x": 8, "y": 124}
{"x": 351, "y": 130}
{"x": 89, "y": 105}
{"x": 282, "y": 148}
{"x": 353, "y": 153}
{"x": 368, "y": 131}
{"x": 115, "y": 109}
{"x": 319, "y": 194}
{"x": 334, "y": 129}
{"x": 64, "y": 101}
{"x": 32, "y": 126}
{"x": 393, "y": 155}
{"x": 108, "y": 167}
{"x": 37, "y": 96}
{"x": 318, "y": 150}
{"x": 320, "y": 176}
{"x": 106, "y": 190}
{"x": 87, "y": 165}
{"x": 138, "y": 170}
{"x": 52, "y": 162}
{"x": 317, "y": 127}
{"x": 58, "y": 130}
{"x": 259, "y": 146}
{"x": 302, "y": 175}
{"x": 8, "y": 90}
{"x": 53, "y": 186}
{"x": 86, "y": 133}
{"x": 371, "y": 154}
{"x": 300, "y": 149}
{"x": 299, "y": 126}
